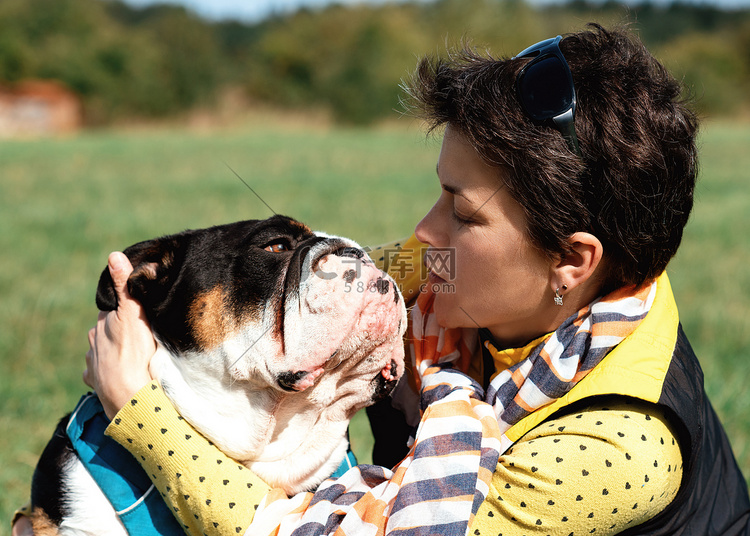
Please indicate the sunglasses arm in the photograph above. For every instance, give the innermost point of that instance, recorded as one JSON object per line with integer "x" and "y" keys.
{"x": 565, "y": 125}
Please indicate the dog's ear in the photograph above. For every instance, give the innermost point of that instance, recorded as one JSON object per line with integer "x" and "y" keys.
{"x": 154, "y": 270}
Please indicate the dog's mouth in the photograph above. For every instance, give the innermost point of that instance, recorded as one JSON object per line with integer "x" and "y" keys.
{"x": 297, "y": 381}
{"x": 384, "y": 382}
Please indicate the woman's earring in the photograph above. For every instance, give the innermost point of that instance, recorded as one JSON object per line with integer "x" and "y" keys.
{"x": 558, "y": 296}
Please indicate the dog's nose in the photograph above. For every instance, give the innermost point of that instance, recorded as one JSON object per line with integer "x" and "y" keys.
{"x": 336, "y": 250}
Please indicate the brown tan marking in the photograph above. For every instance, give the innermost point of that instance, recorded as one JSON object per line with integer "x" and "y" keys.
{"x": 211, "y": 322}
{"x": 147, "y": 270}
{"x": 167, "y": 259}
{"x": 301, "y": 226}
{"x": 42, "y": 524}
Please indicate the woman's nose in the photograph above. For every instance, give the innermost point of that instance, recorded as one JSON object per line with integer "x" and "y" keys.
{"x": 425, "y": 230}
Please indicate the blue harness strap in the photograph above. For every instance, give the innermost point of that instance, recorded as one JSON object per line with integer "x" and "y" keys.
{"x": 347, "y": 463}
{"x": 119, "y": 475}
{"x": 122, "y": 479}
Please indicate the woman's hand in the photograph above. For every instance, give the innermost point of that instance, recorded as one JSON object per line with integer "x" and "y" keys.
{"x": 120, "y": 345}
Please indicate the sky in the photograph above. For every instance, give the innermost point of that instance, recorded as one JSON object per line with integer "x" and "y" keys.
{"x": 253, "y": 10}
{"x": 247, "y": 10}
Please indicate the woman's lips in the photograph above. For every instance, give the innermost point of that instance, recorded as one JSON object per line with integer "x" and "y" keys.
{"x": 434, "y": 278}
{"x": 438, "y": 260}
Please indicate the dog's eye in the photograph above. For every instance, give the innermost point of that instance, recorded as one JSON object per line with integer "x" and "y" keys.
{"x": 277, "y": 247}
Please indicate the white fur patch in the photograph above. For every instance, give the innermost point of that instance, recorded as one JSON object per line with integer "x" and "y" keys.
{"x": 90, "y": 513}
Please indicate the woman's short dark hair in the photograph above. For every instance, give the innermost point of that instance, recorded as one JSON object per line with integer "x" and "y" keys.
{"x": 633, "y": 186}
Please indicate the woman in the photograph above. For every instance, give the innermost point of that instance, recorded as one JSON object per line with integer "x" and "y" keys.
{"x": 561, "y": 395}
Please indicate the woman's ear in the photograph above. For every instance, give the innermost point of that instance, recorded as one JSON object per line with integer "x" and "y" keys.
{"x": 576, "y": 267}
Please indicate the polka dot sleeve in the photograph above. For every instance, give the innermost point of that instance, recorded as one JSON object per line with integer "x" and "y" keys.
{"x": 598, "y": 471}
{"x": 208, "y": 492}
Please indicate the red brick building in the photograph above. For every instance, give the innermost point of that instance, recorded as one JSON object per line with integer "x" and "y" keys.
{"x": 38, "y": 108}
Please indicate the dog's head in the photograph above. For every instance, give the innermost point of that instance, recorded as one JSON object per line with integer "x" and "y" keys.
{"x": 271, "y": 303}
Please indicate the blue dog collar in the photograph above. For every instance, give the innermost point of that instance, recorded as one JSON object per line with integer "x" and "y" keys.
{"x": 122, "y": 479}
{"x": 118, "y": 474}
{"x": 347, "y": 463}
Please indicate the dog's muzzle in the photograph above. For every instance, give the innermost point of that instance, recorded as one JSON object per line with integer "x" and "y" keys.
{"x": 340, "y": 283}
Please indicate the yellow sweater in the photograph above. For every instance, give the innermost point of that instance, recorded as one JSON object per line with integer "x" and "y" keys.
{"x": 601, "y": 468}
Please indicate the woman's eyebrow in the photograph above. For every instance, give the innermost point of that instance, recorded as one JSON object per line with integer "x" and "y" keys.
{"x": 453, "y": 190}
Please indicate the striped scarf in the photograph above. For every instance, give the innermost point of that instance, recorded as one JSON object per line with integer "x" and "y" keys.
{"x": 439, "y": 486}
{"x": 553, "y": 367}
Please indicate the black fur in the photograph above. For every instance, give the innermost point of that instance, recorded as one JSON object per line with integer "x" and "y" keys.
{"x": 48, "y": 475}
{"x": 231, "y": 252}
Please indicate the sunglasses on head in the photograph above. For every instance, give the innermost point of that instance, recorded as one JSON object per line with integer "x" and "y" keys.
{"x": 545, "y": 88}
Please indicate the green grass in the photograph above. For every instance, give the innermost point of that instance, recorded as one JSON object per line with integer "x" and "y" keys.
{"x": 711, "y": 278}
{"x": 65, "y": 204}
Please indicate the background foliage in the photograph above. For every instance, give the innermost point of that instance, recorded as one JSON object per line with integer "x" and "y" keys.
{"x": 158, "y": 61}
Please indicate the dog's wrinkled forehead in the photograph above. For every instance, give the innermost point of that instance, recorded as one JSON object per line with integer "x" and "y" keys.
{"x": 242, "y": 271}
{"x": 246, "y": 259}
{"x": 262, "y": 232}
{"x": 196, "y": 286}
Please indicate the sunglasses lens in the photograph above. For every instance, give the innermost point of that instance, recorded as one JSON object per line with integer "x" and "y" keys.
{"x": 545, "y": 89}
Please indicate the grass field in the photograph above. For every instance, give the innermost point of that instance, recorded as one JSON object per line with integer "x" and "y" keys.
{"x": 65, "y": 204}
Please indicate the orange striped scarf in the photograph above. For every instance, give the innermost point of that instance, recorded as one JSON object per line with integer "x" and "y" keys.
{"x": 438, "y": 488}
{"x": 558, "y": 362}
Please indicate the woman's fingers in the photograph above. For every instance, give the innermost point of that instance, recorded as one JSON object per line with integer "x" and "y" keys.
{"x": 120, "y": 345}
{"x": 120, "y": 269}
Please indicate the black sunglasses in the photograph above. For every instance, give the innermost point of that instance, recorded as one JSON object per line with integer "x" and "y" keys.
{"x": 545, "y": 88}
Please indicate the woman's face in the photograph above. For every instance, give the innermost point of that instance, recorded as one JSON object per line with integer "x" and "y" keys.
{"x": 498, "y": 279}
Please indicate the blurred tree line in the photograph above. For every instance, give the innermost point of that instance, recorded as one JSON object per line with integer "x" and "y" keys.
{"x": 161, "y": 60}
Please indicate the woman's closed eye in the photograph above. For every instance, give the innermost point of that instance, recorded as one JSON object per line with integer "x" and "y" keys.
{"x": 461, "y": 218}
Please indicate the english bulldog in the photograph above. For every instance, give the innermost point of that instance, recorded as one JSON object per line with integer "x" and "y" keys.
{"x": 270, "y": 337}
